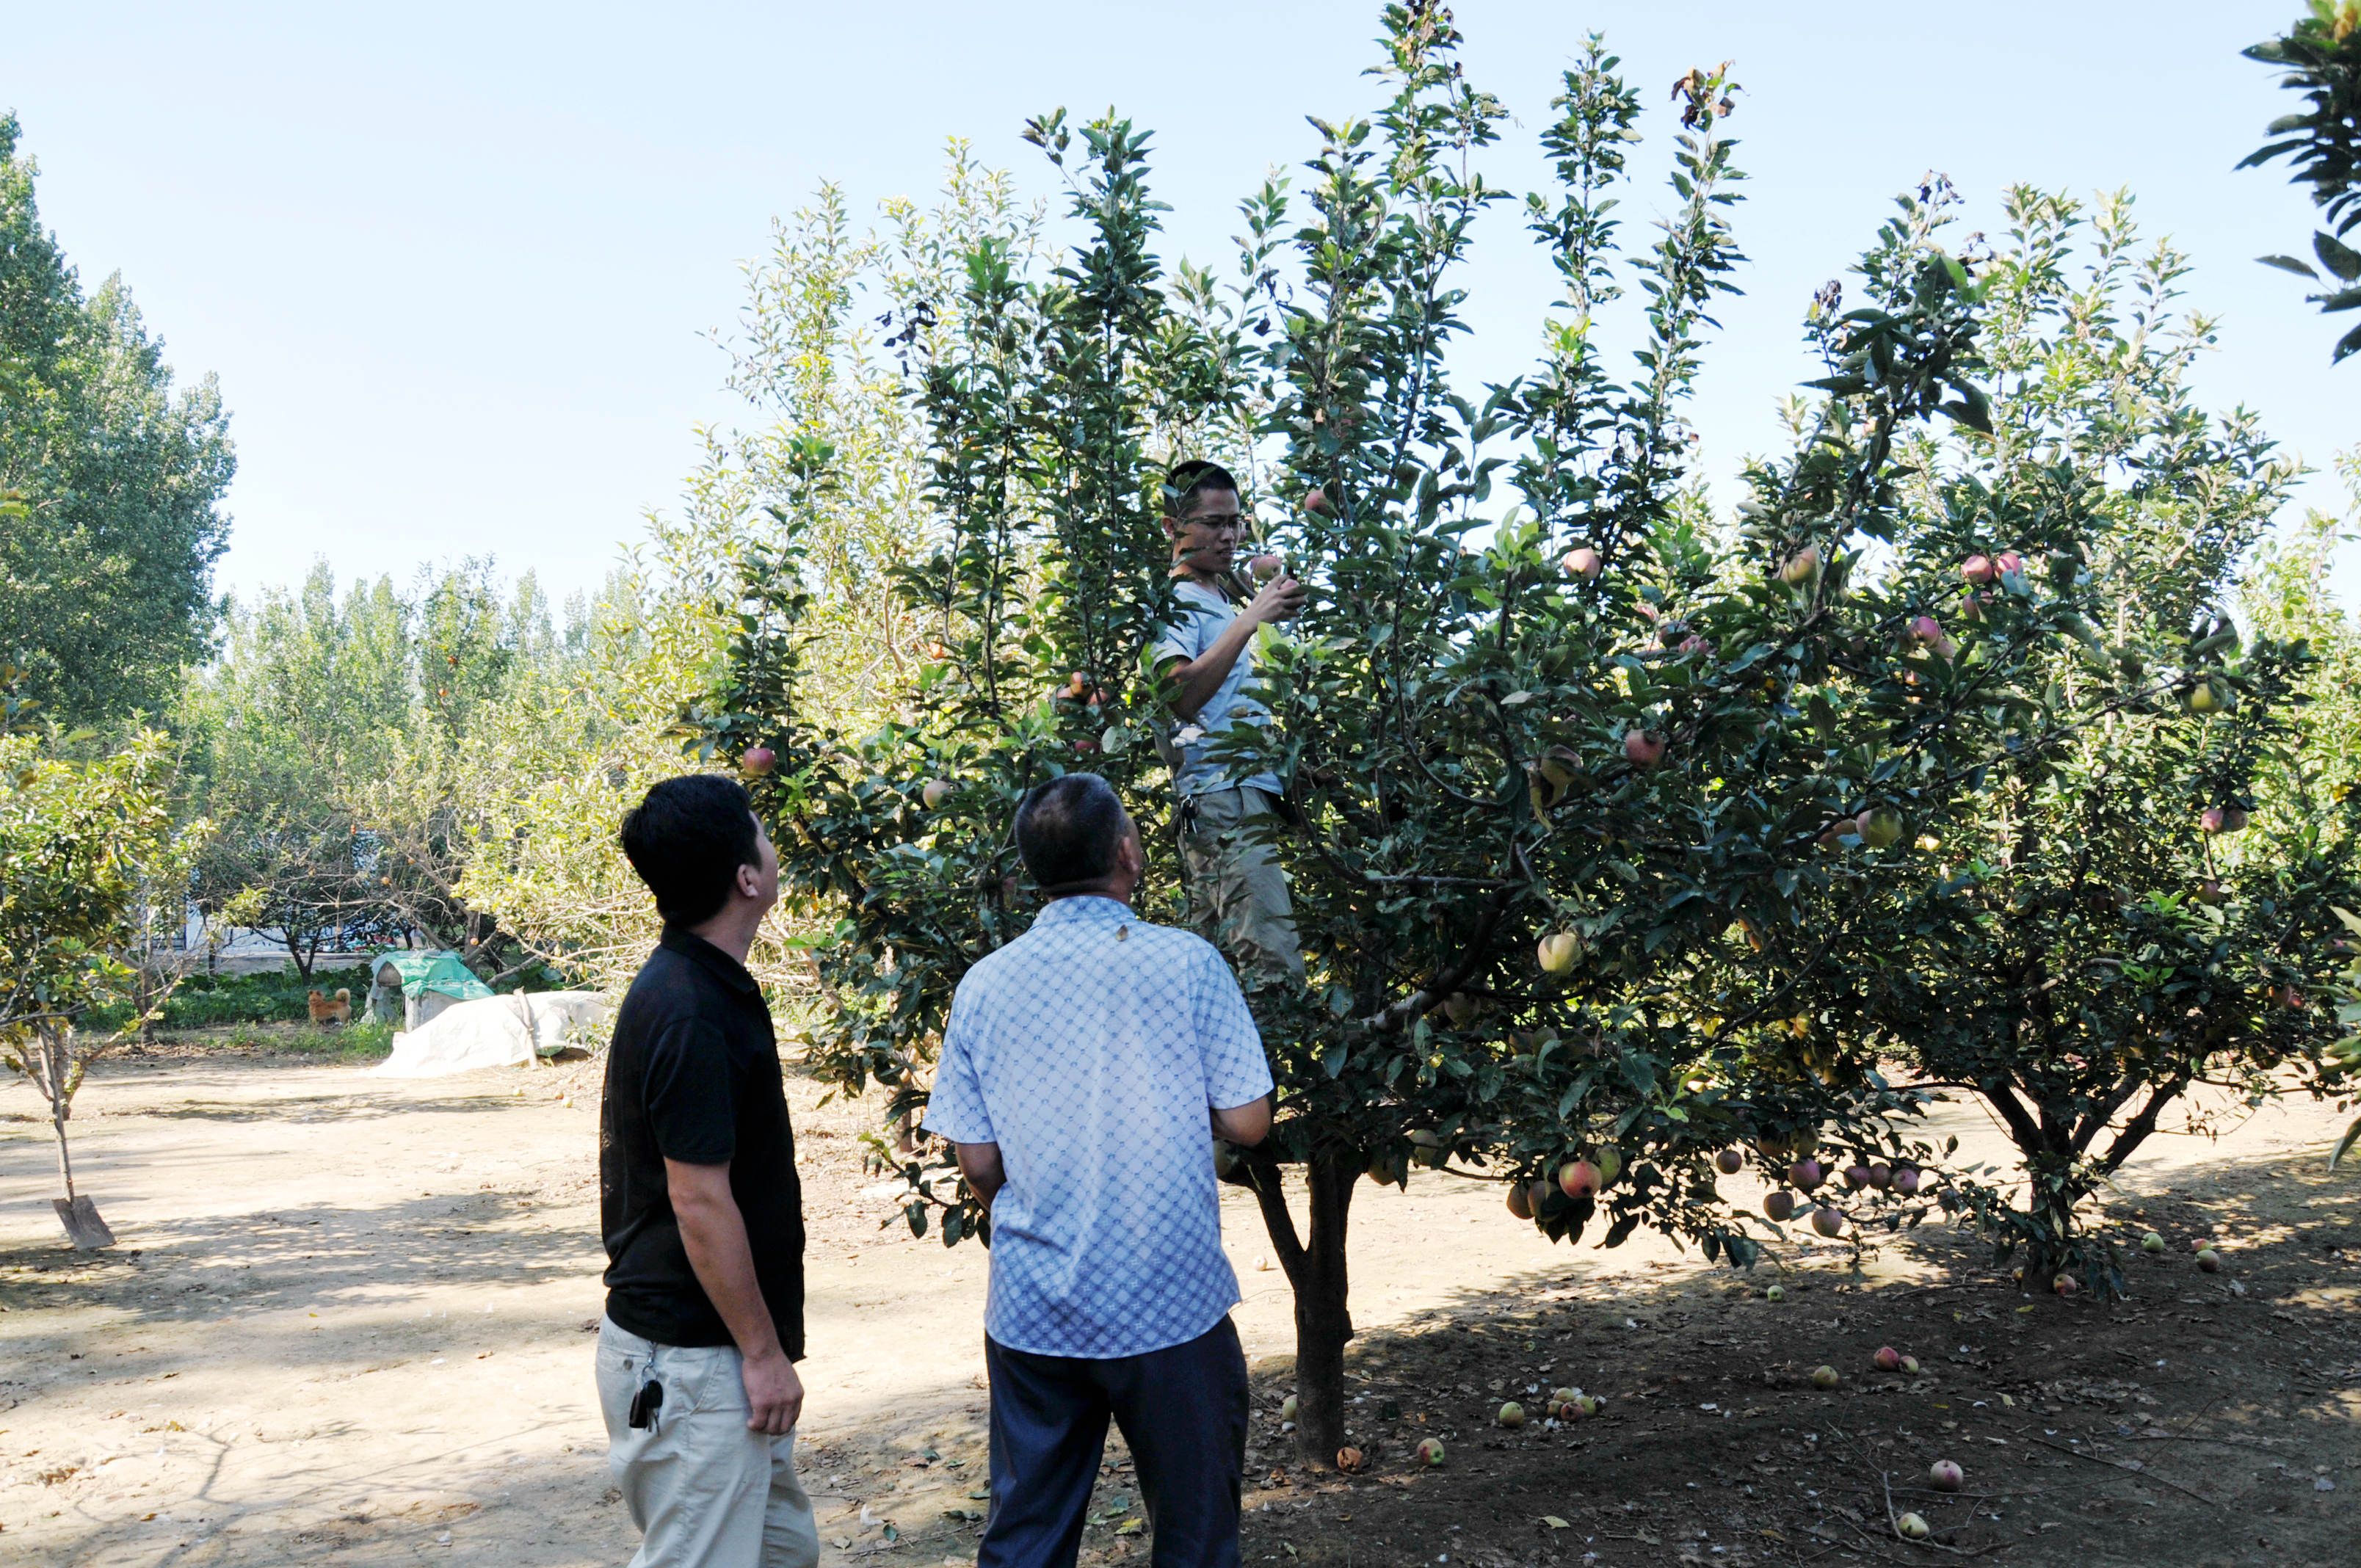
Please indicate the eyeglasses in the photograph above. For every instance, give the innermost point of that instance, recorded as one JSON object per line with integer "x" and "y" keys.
{"x": 1220, "y": 523}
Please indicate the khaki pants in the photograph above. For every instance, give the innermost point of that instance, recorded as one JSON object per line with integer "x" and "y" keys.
{"x": 705, "y": 1492}
{"x": 1237, "y": 894}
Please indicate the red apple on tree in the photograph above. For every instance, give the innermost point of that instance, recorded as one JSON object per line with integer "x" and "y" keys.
{"x": 1800, "y": 567}
{"x": 759, "y": 760}
{"x": 1829, "y": 1221}
{"x": 1578, "y": 1178}
{"x": 1979, "y": 569}
{"x": 1730, "y": 1162}
{"x": 1583, "y": 562}
{"x": 1316, "y": 500}
{"x": 935, "y": 793}
{"x": 1643, "y": 749}
{"x": 1806, "y": 1173}
{"x": 2008, "y": 562}
{"x": 1780, "y": 1205}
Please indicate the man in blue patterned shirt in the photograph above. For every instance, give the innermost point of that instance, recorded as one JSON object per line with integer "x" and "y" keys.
{"x": 1086, "y": 1069}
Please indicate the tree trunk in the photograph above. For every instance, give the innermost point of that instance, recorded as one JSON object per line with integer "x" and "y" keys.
{"x": 55, "y": 1081}
{"x": 1315, "y": 1262}
{"x": 1324, "y": 1320}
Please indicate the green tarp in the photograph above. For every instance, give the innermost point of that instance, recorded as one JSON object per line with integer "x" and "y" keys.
{"x": 425, "y": 969}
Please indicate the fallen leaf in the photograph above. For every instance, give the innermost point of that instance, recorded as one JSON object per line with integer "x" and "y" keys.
{"x": 1554, "y": 1522}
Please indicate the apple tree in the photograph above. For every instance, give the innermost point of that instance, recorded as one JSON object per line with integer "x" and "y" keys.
{"x": 1597, "y": 796}
{"x": 2145, "y": 907}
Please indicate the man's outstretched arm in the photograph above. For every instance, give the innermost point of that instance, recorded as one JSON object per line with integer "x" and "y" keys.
{"x": 1244, "y": 1126}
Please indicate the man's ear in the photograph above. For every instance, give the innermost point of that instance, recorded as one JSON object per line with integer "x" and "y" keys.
{"x": 1172, "y": 529}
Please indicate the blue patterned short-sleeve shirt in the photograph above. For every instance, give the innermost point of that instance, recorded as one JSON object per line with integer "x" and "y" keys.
{"x": 1090, "y": 1050}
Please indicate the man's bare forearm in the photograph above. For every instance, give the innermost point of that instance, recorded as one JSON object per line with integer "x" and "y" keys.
{"x": 979, "y": 1164}
{"x": 1199, "y": 678}
{"x": 713, "y": 1233}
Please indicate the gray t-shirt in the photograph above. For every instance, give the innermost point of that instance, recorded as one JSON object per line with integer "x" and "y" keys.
{"x": 1205, "y": 613}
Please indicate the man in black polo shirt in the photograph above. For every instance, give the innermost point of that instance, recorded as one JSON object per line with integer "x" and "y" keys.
{"x": 701, "y": 1209}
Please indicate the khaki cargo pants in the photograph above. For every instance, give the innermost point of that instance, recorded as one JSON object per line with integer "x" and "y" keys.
{"x": 705, "y": 1492}
{"x": 1237, "y": 894}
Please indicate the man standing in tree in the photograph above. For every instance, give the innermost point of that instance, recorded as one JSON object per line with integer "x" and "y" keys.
{"x": 701, "y": 1207}
{"x": 1237, "y": 894}
{"x": 1086, "y": 1067}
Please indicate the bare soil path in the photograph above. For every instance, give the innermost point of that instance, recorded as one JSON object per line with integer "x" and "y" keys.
{"x": 347, "y": 1325}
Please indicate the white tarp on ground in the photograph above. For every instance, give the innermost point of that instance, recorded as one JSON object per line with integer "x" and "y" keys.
{"x": 493, "y": 1031}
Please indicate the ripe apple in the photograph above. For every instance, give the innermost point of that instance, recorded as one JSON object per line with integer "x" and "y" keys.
{"x": 936, "y": 791}
{"x": 1880, "y": 1177}
{"x": 1881, "y": 827}
{"x": 1979, "y": 569}
{"x": 2009, "y": 561}
{"x": 1512, "y": 1414}
{"x": 1911, "y": 1526}
{"x": 1800, "y": 567}
{"x": 1832, "y": 836}
{"x": 1316, "y": 500}
{"x": 1925, "y": 630}
{"x": 1829, "y": 1221}
{"x": 1945, "y": 1475}
{"x": 1910, "y": 1366}
{"x": 2210, "y": 1261}
{"x": 1730, "y": 1162}
{"x": 1583, "y": 562}
{"x": 1857, "y": 1177}
{"x": 1520, "y": 1205}
{"x": 1429, "y": 1451}
{"x": 2066, "y": 1284}
{"x": 1086, "y": 746}
{"x": 758, "y": 759}
{"x": 1286, "y": 1408}
{"x": 1905, "y": 1181}
{"x": 1887, "y": 1359}
{"x": 1578, "y": 1178}
{"x": 2152, "y": 1244}
{"x": 1824, "y": 1377}
{"x": 1643, "y": 749}
{"x": 1780, "y": 1205}
{"x": 1806, "y": 1173}
{"x": 1559, "y": 952}
{"x": 1264, "y": 567}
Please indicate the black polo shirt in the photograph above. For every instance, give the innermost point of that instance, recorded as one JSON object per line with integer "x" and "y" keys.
{"x": 693, "y": 1075}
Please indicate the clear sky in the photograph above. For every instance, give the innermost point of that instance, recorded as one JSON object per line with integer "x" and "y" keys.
{"x": 454, "y": 264}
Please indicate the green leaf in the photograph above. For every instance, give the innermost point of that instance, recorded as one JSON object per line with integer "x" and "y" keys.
{"x": 2290, "y": 264}
{"x": 2339, "y": 259}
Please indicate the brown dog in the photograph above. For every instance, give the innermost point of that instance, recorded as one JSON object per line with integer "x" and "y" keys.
{"x": 325, "y": 1012}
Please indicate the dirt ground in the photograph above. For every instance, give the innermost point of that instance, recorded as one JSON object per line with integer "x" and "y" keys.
{"x": 349, "y": 1323}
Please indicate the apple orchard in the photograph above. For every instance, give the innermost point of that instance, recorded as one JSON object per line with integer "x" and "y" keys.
{"x": 1638, "y": 843}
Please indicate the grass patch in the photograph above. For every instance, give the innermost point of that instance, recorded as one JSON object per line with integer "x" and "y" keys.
{"x": 363, "y": 1042}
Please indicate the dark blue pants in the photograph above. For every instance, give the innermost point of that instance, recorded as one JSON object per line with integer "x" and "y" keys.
{"x": 1182, "y": 1411}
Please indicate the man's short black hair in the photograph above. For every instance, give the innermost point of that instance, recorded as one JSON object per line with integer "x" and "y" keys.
{"x": 1191, "y": 477}
{"x": 1067, "y": 831}
{"x": 686, "y": 840}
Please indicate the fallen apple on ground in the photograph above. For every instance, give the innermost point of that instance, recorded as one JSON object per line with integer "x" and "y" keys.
{"x": 1910, "y": 1527}
{"x": 2152, "y": 1244}
{"x": 1286, "y": 1408}
{"x": 2210, "y": 1261}
{"x": 1887, "y": 1359}
{"x": 1945, "y": 1475}
{"x": 1775, "y": 1293}
{"x": 1511, "y": 1414}
{"x": 1824, "y": 1376}
{"x": 1429, "y": 1451}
